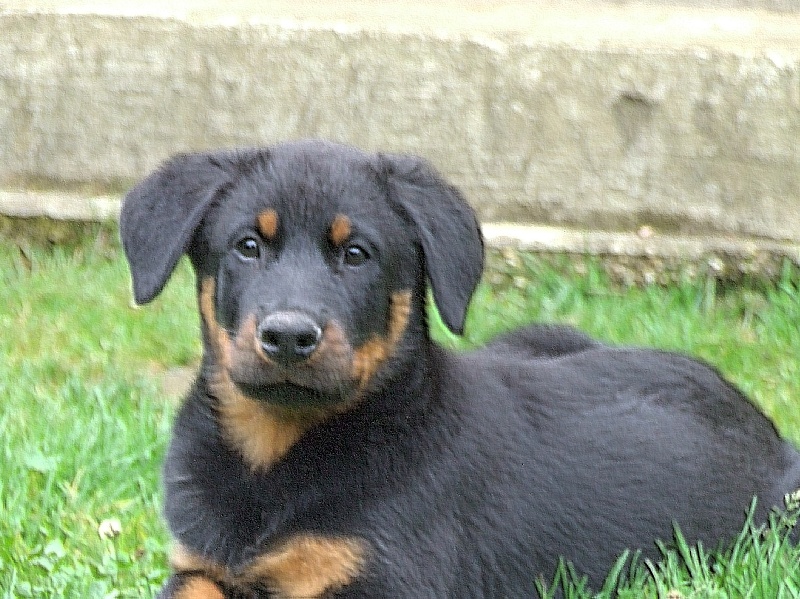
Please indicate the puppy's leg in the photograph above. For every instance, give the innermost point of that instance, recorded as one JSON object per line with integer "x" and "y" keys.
{"x": 191, "y": 586}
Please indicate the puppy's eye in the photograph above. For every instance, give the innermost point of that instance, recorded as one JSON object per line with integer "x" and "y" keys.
{"x": 248, "y": 248}
{"x": 355, "y": 255}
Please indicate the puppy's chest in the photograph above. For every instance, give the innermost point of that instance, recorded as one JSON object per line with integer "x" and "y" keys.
{"x": 287, "y": 532}
{"x": 329, "y": 514}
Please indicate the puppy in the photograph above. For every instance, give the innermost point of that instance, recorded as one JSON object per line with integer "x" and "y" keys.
{"x": 328, "y": 448}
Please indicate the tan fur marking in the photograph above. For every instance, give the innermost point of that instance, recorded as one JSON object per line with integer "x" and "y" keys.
{"x": 307, "y": 566}
{"x": 184, "y": 560}
{"x": 218, "y": 337}
{"x": 399, "y": 313}
{"x": 304, "y": 567}
{"x": 247, "y": 339}
{"x": 368, "y": 358}
{"x": 198, "y": 587}
{"x": 333, "y": 347}
{"x": 267, "y": 223}
{"x": 340, "y": 230}
{"x": 260, "y": 434}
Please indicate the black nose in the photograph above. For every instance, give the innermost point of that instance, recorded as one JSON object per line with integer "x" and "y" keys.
{"x": 288, "y": 337}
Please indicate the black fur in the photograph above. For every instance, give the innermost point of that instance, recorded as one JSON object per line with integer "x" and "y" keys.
{"x": 461, "y": 475}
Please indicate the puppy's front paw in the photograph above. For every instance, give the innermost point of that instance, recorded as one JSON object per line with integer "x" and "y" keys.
{"x": 190, "y": 586}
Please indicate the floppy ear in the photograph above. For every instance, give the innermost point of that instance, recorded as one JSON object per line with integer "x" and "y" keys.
{"x": 448, "y": 229}
{"x": 160, "y": 215}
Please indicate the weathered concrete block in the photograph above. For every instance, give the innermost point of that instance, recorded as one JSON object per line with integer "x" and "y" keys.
{"x": 685, "y": 141}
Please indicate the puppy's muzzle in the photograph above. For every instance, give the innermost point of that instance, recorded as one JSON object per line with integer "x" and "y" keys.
{"x": 288, "y": 337}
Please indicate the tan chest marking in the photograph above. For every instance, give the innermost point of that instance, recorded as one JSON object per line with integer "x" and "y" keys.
{"x": 261, "y": 435}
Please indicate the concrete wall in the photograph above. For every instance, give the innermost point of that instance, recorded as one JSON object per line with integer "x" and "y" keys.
{"x": 596, "y": 116}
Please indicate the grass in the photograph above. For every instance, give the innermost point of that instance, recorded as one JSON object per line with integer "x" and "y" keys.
{"x": 83, "y": 429}
{"x": 84, "y": 424}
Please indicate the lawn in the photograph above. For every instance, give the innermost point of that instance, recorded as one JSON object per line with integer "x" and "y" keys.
{"x": 84, "y": 420}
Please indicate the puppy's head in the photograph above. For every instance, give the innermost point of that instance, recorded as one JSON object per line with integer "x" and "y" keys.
{"x": 312, "y": 261}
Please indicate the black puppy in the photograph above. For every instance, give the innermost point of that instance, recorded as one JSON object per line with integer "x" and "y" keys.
{"x": 330, "y": 449}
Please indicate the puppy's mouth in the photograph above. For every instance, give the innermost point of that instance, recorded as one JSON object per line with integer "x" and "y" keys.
{"x": 290, "y": 395}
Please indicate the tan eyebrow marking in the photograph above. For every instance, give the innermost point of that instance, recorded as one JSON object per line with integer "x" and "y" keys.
{"x": 340, "y": 230}
{"x": 267, "y": 223}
